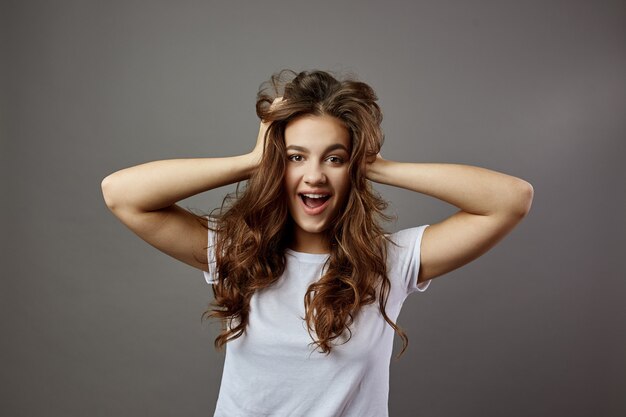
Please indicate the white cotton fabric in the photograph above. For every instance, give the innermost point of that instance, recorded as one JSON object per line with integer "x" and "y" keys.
{"x": 271, "y": 370}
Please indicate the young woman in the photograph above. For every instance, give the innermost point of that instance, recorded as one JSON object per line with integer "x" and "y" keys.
{"x": 306, "y": 282}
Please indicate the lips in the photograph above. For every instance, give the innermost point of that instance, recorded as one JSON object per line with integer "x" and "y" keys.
{"x": 314, "y": 200}
{"x": 314, "y": 203}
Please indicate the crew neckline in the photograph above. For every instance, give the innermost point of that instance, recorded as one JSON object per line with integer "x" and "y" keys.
{"x": 308, "y": 257}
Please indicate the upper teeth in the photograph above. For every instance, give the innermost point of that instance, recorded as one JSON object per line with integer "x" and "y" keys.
{"x": 314, "y": 195}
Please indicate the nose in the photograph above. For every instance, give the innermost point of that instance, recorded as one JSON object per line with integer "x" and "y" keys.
{"x": 314, "y": 174}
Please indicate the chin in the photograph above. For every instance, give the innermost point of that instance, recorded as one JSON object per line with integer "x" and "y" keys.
{"x": 313, "y": 228}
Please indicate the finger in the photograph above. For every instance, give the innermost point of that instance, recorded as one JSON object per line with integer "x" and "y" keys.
{"x": 276, "y": 101}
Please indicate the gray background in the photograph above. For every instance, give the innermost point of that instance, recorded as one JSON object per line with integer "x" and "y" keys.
{"x": 96, "y": 322}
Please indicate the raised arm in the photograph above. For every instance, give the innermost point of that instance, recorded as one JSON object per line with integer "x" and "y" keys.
{"x": 144, "y": 197}
{"x": 491, "y": 204}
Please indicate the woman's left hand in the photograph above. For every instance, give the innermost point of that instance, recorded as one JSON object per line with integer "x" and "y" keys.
{"x": 372, "y": 166}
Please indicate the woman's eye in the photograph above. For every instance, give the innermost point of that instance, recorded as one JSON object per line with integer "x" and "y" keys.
{"x": 335, "y": 159}
{"x": 295, "y": 158}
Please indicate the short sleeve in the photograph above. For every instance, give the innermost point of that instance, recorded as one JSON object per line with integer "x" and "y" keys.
{"x": 405, "y": 258}
{"x": 211, "y": 276}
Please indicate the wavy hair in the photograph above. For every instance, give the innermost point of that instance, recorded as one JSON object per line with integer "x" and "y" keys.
{"x": 253, "y": 225}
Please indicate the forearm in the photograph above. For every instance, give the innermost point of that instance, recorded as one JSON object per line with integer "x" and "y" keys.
{"x": 159, "y": 184}
{"x": 472, "y": 189}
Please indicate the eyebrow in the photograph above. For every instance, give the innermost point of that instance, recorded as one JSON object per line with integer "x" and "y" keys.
{"x": 328, "y": 149}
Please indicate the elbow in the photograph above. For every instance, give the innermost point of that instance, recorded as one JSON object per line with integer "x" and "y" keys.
{"x": 107, "y": 186}
{"x": 522, "y": 198}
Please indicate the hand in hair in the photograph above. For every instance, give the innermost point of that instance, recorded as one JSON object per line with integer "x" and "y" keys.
{"x": 259, "y": 147}
{"x": 372, "y": 162}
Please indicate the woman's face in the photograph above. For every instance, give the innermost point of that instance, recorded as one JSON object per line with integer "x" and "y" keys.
{"x": 317, "y": 180}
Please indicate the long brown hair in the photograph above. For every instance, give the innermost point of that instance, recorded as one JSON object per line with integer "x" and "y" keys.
{"x": 253, "y": 226}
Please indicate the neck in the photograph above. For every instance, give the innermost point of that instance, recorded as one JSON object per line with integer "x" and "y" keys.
{"x": 303, "y": 241}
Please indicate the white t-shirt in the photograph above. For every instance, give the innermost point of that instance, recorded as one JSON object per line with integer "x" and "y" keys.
{"x": 271, "y": 370}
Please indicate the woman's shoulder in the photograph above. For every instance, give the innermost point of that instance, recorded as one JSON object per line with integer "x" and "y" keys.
{"x": 404, "y": 235}
{"x": 405, "y": 241}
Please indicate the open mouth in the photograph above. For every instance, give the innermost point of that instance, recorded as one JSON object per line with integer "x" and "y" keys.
{"x": 314, "y": 200}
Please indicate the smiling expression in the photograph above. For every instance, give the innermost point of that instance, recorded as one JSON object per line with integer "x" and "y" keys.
{"x": 317, "y": 179}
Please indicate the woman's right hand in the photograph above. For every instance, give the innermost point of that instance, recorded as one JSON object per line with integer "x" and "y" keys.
{"x": 260, "y": 140}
